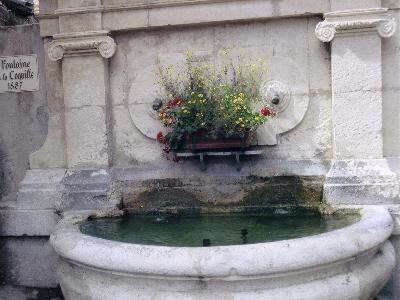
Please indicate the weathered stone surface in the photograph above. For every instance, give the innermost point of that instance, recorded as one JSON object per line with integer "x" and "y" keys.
{"x": 27, "y": 261}
{"x": 40, "y": 189}
{"x": 391, "y": 3}
{"x": 361, "y": 182}
{"x": 23, "y": 116}
{"x": 27, "y": 222}
{"x": 337, "y": 5}
{"x": 23, "y": 293}
{"x": 77, "y": 23}
{"x": 357, "y": 97}
{"x": 391, "y": 90}
{"x": 86, "y": 137}
{"x": 87, "y": 190}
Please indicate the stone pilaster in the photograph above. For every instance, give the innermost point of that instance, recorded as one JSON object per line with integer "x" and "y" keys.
{"x": 359, "y": 172}
{"x": 84, "y": 61}
{"x": 85, "y": 77}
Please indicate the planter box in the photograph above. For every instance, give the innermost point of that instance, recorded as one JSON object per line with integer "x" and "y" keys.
{"x": 202, "y": 142}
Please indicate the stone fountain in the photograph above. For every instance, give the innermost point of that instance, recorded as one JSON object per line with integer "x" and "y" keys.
{"x": 327, "y": 147}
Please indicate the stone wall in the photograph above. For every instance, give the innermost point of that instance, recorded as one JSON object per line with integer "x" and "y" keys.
{"x": 23, "y": 116}
{"x": 24, "y": 260}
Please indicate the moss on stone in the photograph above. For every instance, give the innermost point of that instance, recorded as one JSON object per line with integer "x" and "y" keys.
{"x": 176, "y": 200}
{"x": 292, "y": 191}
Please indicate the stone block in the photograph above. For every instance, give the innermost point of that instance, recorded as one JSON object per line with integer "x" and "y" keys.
{"x": 125, "y": 19}
{"x": 357, "y": 125}
{"x": 27, "y": 261}
{"x": 391, "y": 122}
{"x": 302, "y": 8}
{"x": 391, "y": 70}
{"x": 24, "y": 293}
{"x": 361, "y": 182}
{"x": 316, "y": 128}
{"x": 84, "y": 81}
{"x": 49, "y": 26}
{"x": 52, "y": 153}
{"x": 246, "y": 35}
{"x": 80, "y": 22}
{"x": 356, "y": 63}
{"x": 79, "y": 3}
{"x": 338, "y": 5}
{"x": 27, "y": 222}
{"x": 131, "y": 147}
{"x": 87, "y": 190}
{"x": 86, "y": 136}
{"x": 47, "y": 6}
{"x": 319, "y": 61}
{"x": 284, "y": 167}
{"x": 391, "y": 3}
{"x": 206, "y": 13}
{"x": 288, "y": 37}
{"x": 40, "y": 189}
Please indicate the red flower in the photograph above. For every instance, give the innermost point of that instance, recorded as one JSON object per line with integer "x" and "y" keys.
{"x": 174, "y": 102}
{"x": 266, "y": 112}
{"x": 160, "y": 137}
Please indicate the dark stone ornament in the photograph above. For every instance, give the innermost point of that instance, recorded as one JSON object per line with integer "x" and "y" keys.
{"x": 157, "y": 104}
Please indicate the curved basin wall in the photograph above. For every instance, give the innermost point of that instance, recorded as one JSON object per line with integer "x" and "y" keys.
{"x": 350, "y": 263}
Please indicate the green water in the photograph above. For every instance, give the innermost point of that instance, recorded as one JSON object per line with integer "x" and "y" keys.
{"x": 214, "y": 230}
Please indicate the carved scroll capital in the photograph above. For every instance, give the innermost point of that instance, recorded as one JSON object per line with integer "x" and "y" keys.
{"x": 81, "y": 43}
{"x": 355, "y": 21}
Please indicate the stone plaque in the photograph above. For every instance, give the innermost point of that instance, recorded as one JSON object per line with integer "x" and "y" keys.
{"x": 19, "y": 73}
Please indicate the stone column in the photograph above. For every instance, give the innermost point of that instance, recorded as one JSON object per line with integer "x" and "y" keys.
{"x": 359, "y": 173}
{"x": 85, "y": 77}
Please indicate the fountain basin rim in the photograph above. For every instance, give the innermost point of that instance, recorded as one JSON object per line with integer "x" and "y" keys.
{"x": 262, "y": 259}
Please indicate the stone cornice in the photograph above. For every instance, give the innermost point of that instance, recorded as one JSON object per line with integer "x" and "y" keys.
{"x": 144, "y": 4}
{"x": 123, "y": 15}
{"x": 354, "y": 21}
{"x": 81, "y": 43}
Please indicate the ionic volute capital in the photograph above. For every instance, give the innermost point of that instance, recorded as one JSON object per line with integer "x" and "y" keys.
{"x": 356, "y": 21}
{"x": 82, "y": 43}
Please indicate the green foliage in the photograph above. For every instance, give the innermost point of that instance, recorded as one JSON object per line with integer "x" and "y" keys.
{"x": 216, "y": 100}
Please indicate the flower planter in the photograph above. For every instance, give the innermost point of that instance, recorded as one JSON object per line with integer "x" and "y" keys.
{"x": 198, "y": 142}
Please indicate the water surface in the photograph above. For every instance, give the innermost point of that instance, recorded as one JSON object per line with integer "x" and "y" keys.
{"x": 212, "y": 230}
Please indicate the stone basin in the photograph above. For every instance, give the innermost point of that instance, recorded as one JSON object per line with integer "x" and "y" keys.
{"x": 353, "y": 262}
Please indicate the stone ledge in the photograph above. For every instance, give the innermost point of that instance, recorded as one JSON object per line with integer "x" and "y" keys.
{"x": 27, "y": 222}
